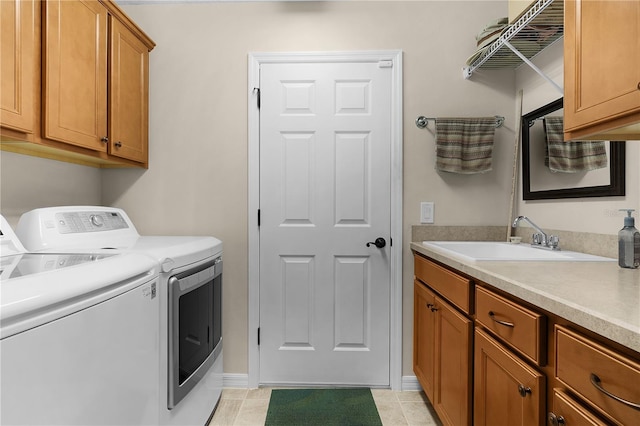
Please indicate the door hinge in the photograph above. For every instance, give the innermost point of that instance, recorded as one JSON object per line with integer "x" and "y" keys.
{"x": 258, "y": 217}
{"x": 257, "y": 90}
{"x": 258, "y": 336}
{"x": 391, "y": 242}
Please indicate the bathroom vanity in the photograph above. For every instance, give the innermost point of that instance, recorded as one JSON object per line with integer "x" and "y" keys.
{"x": 527, "y": 342}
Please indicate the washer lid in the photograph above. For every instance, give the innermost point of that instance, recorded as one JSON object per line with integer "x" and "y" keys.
{"x": 34, "y": 290}
{"x": 177, "y": 252}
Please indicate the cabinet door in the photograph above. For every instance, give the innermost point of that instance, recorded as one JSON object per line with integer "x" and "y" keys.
{"x": 453, "y": 347}
{"x": 506, "y": 390}
{"x": 128, "y": 95}
{"x": 18, "y": 53}
{"x": 75, "y": 73}
{"x": 424, "y": 336}
{"x": 602, "y": 65}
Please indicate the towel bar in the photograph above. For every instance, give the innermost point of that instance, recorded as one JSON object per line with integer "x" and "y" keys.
{"x": 422, "y": 121}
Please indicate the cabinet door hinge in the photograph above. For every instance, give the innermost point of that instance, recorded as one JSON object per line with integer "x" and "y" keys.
{"x": 258, "y": 217}
{"x": 258, "y": 336}
{"x": 257, "y": 90}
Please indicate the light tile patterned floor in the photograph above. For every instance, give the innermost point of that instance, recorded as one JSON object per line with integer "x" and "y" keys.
{"x": 248, "y": 407}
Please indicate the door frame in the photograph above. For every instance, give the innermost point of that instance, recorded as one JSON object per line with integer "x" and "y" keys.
{"x": 395, "y": 320}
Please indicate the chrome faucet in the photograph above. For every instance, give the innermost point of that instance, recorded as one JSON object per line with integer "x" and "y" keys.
{"x": 539, "y": 239}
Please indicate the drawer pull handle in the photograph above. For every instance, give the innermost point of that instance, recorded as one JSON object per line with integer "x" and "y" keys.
{"x": 506, "y": 324}
{"x": 595, "y": 381}
{"x": 555, "y": 420}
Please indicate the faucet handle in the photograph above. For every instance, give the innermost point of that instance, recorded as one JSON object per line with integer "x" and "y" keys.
{"x": 554, "y": 242}
{"x": 538, "y": 239}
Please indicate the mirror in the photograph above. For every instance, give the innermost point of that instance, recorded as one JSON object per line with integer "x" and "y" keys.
{"x": 539, "y": 182}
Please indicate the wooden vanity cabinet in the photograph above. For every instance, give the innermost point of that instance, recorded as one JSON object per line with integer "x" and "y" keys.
{"x": 424, "y": 337}
{"x": 567, "y": 411}
{"x": 442, "y": 347}
{"x": 601, "y": 70}
{"x": 529, "y": 366}
{"x": 604, "y": 379}
{"x": 507, "y": 391}
{"x": 91, "y": 86}
{"x": 18, "y": 44}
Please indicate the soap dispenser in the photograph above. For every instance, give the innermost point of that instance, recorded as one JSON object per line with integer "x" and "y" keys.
{"x": 629, "y": 243}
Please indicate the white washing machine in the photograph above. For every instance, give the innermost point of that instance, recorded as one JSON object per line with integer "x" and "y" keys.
{"x": 190, "y": 293}
{"x": 78, "y": 337}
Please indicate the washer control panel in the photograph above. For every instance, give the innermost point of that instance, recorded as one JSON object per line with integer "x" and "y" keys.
{"x": 78, "y": 228}
{"x": 89, "y": 221}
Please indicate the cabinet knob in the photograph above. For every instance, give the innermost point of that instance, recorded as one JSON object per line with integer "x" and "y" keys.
{"x": 638, "y": 86}
{"x": 523, "y": 391}
{"x": 555, "y": 420}
{"x": 104, "y": 139}
{"x": 118, "y": 144}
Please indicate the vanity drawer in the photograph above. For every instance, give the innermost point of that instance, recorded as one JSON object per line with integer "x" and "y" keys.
{"x": 568, "y": 411}
{"x": 518, "y": 326}
{"x": 453, "y": 287}
{"x": 580, "y": 362}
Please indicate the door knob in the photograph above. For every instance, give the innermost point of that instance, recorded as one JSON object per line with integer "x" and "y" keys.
{"x": 379, "y": 242}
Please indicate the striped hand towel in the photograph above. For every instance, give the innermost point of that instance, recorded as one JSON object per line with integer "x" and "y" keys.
{"x": 464, "y": 145}
{"x": 574, "y": 156}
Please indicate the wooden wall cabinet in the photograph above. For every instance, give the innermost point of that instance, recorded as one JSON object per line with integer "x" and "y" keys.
{"x": 443, "y": 342}
{"x": 75, "y": 73}
{"x": 18, "y": 64}
{"x": 602, "y": 70}
{"x": 94, "y": 88}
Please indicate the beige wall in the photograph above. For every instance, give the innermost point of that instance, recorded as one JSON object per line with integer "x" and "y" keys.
{"x": 198, "y": 119}
{"x": 595, "y": 215}
{"x": 27, "y": 183}
{"x": 198, "y": 129}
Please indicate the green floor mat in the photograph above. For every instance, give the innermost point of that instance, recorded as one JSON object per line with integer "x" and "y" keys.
{"x": 326, "y": 407}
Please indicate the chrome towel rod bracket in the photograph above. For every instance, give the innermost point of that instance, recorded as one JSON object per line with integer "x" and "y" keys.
{"x": 422, "y": 121}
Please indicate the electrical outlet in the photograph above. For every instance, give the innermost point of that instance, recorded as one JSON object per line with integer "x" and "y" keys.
{"x": 426, "y": 212}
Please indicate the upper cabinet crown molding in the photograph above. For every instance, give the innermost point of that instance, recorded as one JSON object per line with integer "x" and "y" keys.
{"x": 93, "y": 89}
{"x": 602, "y": 70}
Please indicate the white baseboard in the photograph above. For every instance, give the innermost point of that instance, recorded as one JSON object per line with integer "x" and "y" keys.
{"x": 230, "y": 380}
{"x": 410, "y": 383}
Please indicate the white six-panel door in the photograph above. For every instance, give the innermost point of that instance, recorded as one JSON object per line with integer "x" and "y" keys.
{"x": 325, "y": 143}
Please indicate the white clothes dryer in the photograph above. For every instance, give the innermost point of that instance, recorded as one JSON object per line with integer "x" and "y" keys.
{"x": 78, "y": 337}
{"x": 190, "y": 293}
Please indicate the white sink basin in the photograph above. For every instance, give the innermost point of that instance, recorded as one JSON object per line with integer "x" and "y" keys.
{"x": 490, "y": 250}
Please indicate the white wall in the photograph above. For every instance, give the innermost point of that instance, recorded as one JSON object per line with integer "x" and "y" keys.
{"x": 198, "y": 117}
{"x": 594, "y": 215}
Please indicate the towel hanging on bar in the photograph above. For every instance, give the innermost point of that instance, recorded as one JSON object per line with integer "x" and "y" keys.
{"x": 422, "y": 121}
{"x": 464, "y": 145}
{"x": 573, "y": 156}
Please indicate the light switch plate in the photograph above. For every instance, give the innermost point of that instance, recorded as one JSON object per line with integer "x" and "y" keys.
{"x": 426, "y": 212}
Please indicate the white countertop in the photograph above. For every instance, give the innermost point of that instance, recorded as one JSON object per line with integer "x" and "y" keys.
{"x": 599, "y": 296}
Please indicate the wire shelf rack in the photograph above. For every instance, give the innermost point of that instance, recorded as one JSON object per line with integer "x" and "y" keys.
{"x": 539, "y": 26}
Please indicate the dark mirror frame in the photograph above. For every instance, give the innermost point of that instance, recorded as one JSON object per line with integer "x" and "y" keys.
{"x": 616, "y": 185}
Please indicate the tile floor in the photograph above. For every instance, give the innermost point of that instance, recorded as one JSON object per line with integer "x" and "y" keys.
{"x": 248, "y": 407}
